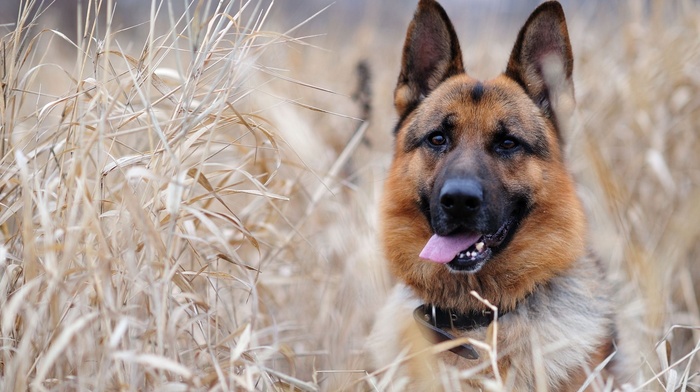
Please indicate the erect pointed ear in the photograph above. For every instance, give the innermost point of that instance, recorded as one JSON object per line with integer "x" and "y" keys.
{"x": 542, "y": 61}
{"x": 431, "y": 54}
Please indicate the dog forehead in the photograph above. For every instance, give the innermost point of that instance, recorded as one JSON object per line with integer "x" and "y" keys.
{"x": 476, "y": 105}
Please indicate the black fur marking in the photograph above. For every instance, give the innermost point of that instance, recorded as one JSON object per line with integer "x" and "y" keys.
{"x": 415, "y": 137}
{"x": 404, "y": 116}
{"x": 523, "y": 207}
{"x": 477, "y": 92}
{"x": 539, "y": 147}
{"x": 413, "y": 140}
{"x": 424, "y": 204}
{"x": 542, "y": 100}
{"x": 535, "y": 143}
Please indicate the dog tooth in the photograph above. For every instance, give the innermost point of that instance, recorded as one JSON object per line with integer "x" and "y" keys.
{"x": 479, "y": 246}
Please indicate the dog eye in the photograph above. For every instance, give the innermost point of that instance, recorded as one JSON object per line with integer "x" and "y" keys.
{"x": 437, "y": 139}
{"x": 507, "y": 145}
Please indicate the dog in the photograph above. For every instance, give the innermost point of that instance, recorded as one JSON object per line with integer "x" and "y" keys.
{"x": 478, "y": 200}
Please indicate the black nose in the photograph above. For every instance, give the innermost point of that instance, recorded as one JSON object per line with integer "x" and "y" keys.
{"x": 460, "y": 198}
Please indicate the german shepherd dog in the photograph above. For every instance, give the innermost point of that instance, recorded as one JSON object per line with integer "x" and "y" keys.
{"x": 478, "y": 199}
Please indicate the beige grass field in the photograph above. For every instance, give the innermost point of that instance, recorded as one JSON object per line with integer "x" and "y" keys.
{"x": 190, "y": 204}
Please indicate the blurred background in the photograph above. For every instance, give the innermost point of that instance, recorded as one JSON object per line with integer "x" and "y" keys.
{"x": 194, "y": 204}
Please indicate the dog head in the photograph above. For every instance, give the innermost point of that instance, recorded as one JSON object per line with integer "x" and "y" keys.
{"x": 478, "y": 196}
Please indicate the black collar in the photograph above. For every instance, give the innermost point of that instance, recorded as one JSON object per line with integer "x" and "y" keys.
{"x": 432, "y": 321}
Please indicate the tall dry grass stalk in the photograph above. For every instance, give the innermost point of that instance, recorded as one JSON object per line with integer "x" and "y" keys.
{"x": 639, "y": 130}
{"x": 189, "y": 210}
{"x": 141, "y": 203}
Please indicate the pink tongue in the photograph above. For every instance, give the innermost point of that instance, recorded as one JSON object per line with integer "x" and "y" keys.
{"x": 444, "y": 249}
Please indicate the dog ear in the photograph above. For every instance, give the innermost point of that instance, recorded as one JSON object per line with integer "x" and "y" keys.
{"x": 431, "y": 54}
{"x": 542, "y": 61}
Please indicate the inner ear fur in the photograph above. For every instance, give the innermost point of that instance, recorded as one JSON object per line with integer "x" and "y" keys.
{"x": 542, "y": 61}
{"x": 431, "y": 54}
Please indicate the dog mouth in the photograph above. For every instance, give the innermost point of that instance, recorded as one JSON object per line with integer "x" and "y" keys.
{"x": 467, "y": 252}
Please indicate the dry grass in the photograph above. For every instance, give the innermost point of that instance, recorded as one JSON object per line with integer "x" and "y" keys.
{"x": 187, "y": 209}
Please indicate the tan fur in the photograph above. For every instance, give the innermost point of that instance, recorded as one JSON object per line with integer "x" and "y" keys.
{"x": 553, "y": 289}
{"x": 530, "y": 259}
